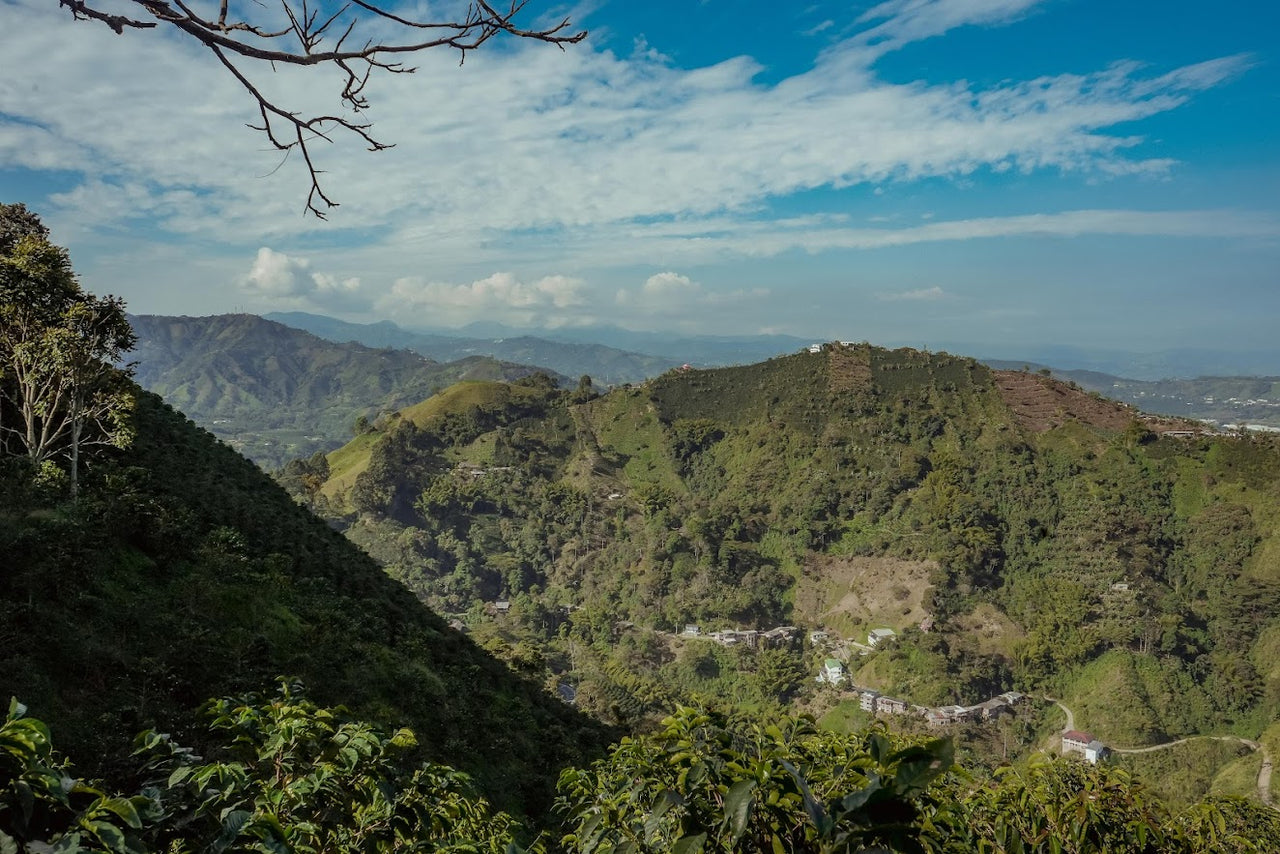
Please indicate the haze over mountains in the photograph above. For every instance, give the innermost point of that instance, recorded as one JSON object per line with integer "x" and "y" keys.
{"x": 710, "y": 350}
{"x": 276, "y": 393}
{"x": 285, "y": 386}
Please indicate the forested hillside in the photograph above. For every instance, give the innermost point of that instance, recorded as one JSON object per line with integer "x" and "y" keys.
{"x": 1052, "y": 540}
{"x": 275, "y": 393}
{"x": 183, "y": 573}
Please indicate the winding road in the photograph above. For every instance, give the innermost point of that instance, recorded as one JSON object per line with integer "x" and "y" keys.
{"x": 1264, "y": 773}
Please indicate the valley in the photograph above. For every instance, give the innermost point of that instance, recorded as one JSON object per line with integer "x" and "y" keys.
{"x": 871, "y": 540}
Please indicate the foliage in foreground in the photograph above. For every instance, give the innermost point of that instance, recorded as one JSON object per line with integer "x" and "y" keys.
{"x": 288, "y": 776}
{"x": 702, "y": 785}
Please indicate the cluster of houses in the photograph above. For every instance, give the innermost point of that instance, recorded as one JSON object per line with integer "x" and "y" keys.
{"x": 1003, "y": 704}
{"x": 782, "y": 636}
{"x": 871, "y": 700}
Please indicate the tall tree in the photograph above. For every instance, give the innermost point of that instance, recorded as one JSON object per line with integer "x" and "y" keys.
{"x": 59, "y": 388}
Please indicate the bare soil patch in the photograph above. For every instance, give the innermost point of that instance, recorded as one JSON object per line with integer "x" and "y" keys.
{"x": 849, "y": 594}
{"x": 1041, "y": 403}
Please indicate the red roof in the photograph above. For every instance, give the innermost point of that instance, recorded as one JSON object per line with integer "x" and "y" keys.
{"x": 1077, "y": 735}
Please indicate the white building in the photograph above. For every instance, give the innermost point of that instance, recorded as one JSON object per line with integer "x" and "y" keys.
{"x": 875, "y": 636}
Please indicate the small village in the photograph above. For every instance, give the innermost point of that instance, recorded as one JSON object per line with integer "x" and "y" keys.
{"x": 833, "y": 673}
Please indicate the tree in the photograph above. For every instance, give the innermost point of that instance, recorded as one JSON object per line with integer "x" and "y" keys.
{"x": 316, "y": 33}
{"x": 59, "y": 388}
{"x": 779, "y": 673}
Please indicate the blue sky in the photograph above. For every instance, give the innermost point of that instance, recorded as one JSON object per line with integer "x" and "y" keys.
{"x": 984, "y": 174}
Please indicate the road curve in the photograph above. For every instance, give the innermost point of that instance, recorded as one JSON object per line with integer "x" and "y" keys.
{"x": 1264, "y": 774}
{"x": 1071, "y": 718}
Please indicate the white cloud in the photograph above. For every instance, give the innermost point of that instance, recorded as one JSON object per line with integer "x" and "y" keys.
{"x": 549, "y": 301}
{"x": 279, "y": 279}
{"x": 530, "y": 159}
{"x": 531, "y": 138}
{"x": 672, "y": 297}
{"x": 920, "y": 295}
{"x": 665, "y": 286}
{"x": 905, "y": 21}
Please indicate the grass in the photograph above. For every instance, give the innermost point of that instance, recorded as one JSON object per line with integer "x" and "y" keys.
{"x": 1266, "y": 653}
{"x": 847, "y": 717}
{"x": 1185, "y": 773}
{"x": 634, "y": 436}
{"x": 1110, "y": 699}
{"x": 347, "y": 462}
{"x": 1239, "y": 777}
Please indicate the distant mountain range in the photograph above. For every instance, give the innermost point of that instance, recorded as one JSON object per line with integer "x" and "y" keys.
{"x": 606, "y": 364}
{"x": 1178, "y": 363}
{"x": 288, "y": 385}
{"x": 629, "y": 356}
{"x": 276, "y": 393}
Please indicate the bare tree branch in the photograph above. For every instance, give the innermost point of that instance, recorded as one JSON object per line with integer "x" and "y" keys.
{"x": 302, "y": 43}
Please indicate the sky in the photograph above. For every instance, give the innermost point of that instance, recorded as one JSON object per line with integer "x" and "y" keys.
{"x": 988, "y": 174}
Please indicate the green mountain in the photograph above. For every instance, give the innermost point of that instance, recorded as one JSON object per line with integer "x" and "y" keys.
{"x": 276, "y": 393}
{"x": 609, "y": 365}
{"x": 184, "y": 573}
{"x": 1053, "y": 540}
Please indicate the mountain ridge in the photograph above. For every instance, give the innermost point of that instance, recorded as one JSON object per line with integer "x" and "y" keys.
{"x": 276, "y": 392}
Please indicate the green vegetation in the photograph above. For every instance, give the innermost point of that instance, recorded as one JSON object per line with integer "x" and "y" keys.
{"x": 1065, "y": 550}
{"x": 59, "y": 393}
{"x": 277, "y": 393}
{"x": 283, "y": 775}
{"x": 1013, "y": 532}
{"x": 184, "y": 572}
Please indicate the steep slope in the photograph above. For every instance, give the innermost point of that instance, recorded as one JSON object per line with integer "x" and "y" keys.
{"x": 276, "y": 393}
{"x": 185, "y": 573}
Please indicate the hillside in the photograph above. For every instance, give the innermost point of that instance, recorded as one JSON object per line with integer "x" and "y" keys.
{"x": 184, "y": 573}
{"x": 1044, "y": 534}
{"x": 276, "y": 393}
{"x": 1221, "y": 400}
